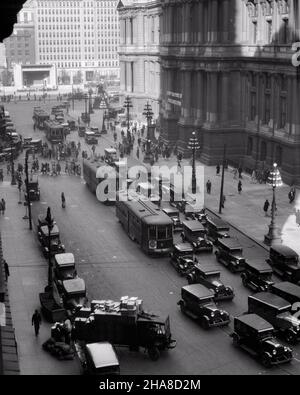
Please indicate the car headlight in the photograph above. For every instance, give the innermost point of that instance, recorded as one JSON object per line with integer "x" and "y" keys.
{"x": 212, "y": 314}
{"x": 285, "y": 349}
{"x": 274, "y": 352}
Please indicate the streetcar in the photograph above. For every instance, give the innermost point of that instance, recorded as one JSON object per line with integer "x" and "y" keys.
{"x": 55, "y": 132}
{"x": 146, "y": 224}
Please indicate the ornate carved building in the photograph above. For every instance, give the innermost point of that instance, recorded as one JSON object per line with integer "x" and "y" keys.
{"x": 227, "y": 73}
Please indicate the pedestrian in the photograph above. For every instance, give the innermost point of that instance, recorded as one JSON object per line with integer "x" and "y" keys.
{"x": 218, "y": 169}
{"x": 253, "y": 177}
{"x": 240, "y": 187}
{"x": 298, "y": 217}
{"x": 36, "y": 321}
{"x": 138, "y": 153}
{"x": 208, "y": 187}
{"x": 3, "y": 204}
{"x": 223, "y": 201}
{"x": 6, "y": 269}
{"x": 266, "y": 207}
{"x": 292, "y": 194}
{"x": 240, "y": 172}
{"x": 63, "y": 200}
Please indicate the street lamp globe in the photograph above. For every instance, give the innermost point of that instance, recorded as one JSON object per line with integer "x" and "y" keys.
{"x": 274, "y": 178}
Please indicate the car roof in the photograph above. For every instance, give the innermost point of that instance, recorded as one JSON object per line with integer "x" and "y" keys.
{"x": 89, "y": 133}
{"x": 184, "y": 247}
{"x": 74, "y": 285}
{"x": 286, "y": 286}
{"x": 170, "y": 210}
{"x": 255, "y": 321}
{"x": 54, "y": 230}
{"x": 230, "y": 243}
{"x": 217, "y": 222}
{"x": 273, "y": 300}
{"x": 110, "y": 150}
{"x": 193, "y": 225}
{"x": 198, "y": 290}
{"x": 65, "y": 259}
{"x": 208, "y": 268}
{"x": 102, "y": 354}
{"x": 285, "y": 250}
{"x": 259, "y": 265}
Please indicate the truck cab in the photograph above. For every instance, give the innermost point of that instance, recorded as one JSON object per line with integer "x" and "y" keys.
{"x": 198, "y": 303}
{"x": 257, "y": 275}
{"x": 195, "y": 233}
{"x": 217, "y": 229}
{"x": 285, "y": 263}
{"x": 33, "y": 188}
{"x": 73, "y": 293}
{"x": 277, "y": 311}
{"x": 230, "y": 254}
{"x": 90, "y": 137}
{"x": 55, "y": 244}
{"x": 257, "y": 337}
{"x": 210, "y": 276}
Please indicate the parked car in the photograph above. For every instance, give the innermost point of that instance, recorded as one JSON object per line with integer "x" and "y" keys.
{"x": 27, "y": 142}
{"x": 173, "y": 213}
{"x": 96, "y": 131}
{"x": 90, "y": 137}
{"x": 195, "y": 233}
{"x": 285, "y": 263}
{"x": 198, "y": 303}
{"x": 277, "y": 311}
{"x": 64, "y": 267}
{"x": 209, "y": 276}
{"x": 182, "y": 258}
{"x": 289, "y": 292}
{"x": 73, "y": 293}
{"x": 81, "y": 131}
{"x": 55, "y": 244}
{"x": 98, "y": 359}
{"x": 33, "y": 188}
{"x": 230, "y": 254}
{"x": 256, "y": 336}
{"x": 217, "y": 229}
{"x": 257, "y": 275}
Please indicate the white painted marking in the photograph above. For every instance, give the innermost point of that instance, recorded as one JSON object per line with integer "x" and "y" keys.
{"x": 43, "y": 202}
{"x": 2, "y": 315}
{"x": 73, "y": 205}
{"x": 7, "y": 218}
{"x": 171, "y": 293}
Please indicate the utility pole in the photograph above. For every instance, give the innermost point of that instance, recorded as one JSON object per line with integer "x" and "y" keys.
{"x": 128, "y": 105}
{"x": 50, "y": 224}
{"x": 13, "y": 177}
{"x": 194, "y": 145}
{"x": 222, "y": 181}
{"x": 149, "y": 115}
{"x": 27, "y": 189}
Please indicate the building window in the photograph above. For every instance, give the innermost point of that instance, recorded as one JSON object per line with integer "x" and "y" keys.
{"x": 263, "y": 151}
{"x": 278, "y": 155}
{"x": 269, "y": 31}
{"x": 250, "y": 146}
{"x": 267, "y": 109}
{"x": 285, "y": 31}
{"x": 253, "y": 106}
{"x": 254, "y": 32}
{"x": 283, "y": 112}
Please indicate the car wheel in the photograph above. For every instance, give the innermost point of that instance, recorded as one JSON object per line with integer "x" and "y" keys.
{"x": 153, "y": 353}
{"x": 205, "y": 323}
{"x": 235, "y": 340}
{"x": 244, "y": 281}
{"x": 290, "y": 338}
{"x": 266, "y": 361}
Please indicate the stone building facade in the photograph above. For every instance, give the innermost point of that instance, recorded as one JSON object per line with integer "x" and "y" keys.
{"x": 227, "y": 73}
{"x": 139, "y": 53}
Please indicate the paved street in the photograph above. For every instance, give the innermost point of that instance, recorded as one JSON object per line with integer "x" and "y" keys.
{"x": 113, "y": 266}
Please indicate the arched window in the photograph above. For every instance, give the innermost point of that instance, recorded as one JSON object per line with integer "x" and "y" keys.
{"x": 263, "y": 151}
{"x": 250, "y": 146}
{"x": 278, "y": 155}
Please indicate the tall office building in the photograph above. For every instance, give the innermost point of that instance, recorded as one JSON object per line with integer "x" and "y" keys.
{"x": 227, "y": 73}
{"x": 139, "y": 53}
{"x": 80, "y": 37}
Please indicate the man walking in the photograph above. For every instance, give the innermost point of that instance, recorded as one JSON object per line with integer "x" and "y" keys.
{"x": 208, "y": 187}
{"x": 218, "y": 169}
{"x": 3, "y": 204}
{"x": 36, "y": 321}
{"x": 240, "y": 187}
{"x": 266, "y": 207}
{"x": 6, "y": 269}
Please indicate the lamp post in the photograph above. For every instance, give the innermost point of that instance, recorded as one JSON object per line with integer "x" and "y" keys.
{"x": 128, "y": 105}
{"x": 222, "y": 181}
{"x": 13, "y": 177}
{"x": 274, "y": 180}
{"x": 194, "y": 146}
{"x": 50, "y": 223}
{"x": 149, "y": 115}
{"x": 90, "y": 102}
{"x": 27, "y": 189}
{"x": 72, "y": 96}
{"x": 85, "y": 105}
{"x": 103, "y": 123}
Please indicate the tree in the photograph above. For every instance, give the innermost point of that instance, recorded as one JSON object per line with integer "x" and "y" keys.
{"x": 7, "y": 78}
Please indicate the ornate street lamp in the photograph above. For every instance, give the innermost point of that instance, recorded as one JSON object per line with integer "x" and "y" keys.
{"x": 274, "y": 180}
{"x": 194, "y": 146}
{"x": 128, "y": 105}
{"x": 149, "y": 115}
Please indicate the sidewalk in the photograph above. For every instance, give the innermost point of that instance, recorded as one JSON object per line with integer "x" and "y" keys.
{"x": 244, "y": 211}
{"x": 28, "y": 277}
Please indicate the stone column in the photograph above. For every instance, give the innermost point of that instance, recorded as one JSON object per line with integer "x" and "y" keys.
{"x": 187, "y": 94}
{"x": 213, "y": 97}
{"x": 200, "y": 96}
{"x": 214, "y": 21}
{"x": 200, "y": 23}
{"x": 188, "y": 23}
{"x": 209, "y": 21}
{"x": 296, "y": 100}
{"x": 225, "y": 96}
{"x": 208, "y": 96}
{"x": 225, "y": 18}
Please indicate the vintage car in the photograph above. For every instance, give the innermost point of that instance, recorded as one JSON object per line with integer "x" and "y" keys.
{"x": 230, "y": 254}
{"x": 217, "y": 229}
{"x": 257, "y": 275}
{"x": 182, "y": 258}
{"x": 277, "y": 311}
{"x": 198, "y": 303}
{"x": 33, "y": 188}
{"x": 256, "y": 336}
{"x": 289, "y": 292}
{"x": 73, "y": 293}
{"x": 90, "y": 137}
{"x": 64, "y": 267}
{"x": 81, "y": 131}
{"x": 36, "y": 145}
{"x": 195, "y": 233}
{"x": 55, "y": 245}
{"x": 209, "y": 276}
{"x": 27, "y": 142}
{"x": 110, "y": 156}
{"x": 72, "y": 125}
{"x": 96, "y": 131}
{"x": 173, "y": 213}
{"x": 98, "y": 359}
{"x": 285, "y": 263}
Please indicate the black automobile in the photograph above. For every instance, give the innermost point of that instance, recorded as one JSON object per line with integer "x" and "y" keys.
{"x": 257, "y": 275}
{"x": 277, "y": 311}
{"x": 54, "y": 243}
{"x": 285, "y": 263}
{"x": 73, "y": 293}
{"x": 198, "y": 303}
{"x": 182, "y": 258}
{"x": 195, "y": 233}
{"x": 230, "y": 254}
{"x": 64, "y": 267}
{"x": 173, "y": 213}
{"x": 209, "y": 276}
{"x": 256, "y": 336}
{"x": 217, "y": 229}
{"x": 289, "y": 292}
{"x": 33, "y": 188}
